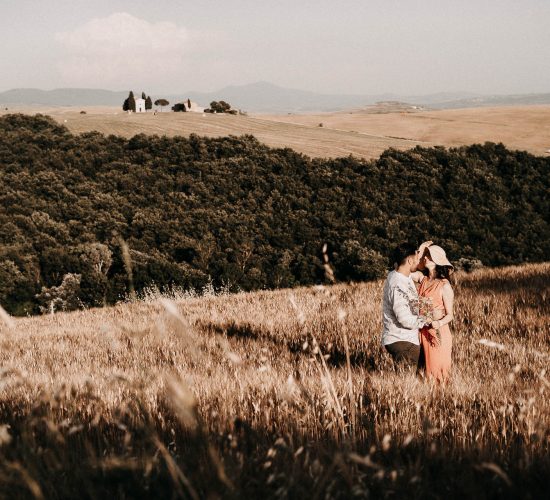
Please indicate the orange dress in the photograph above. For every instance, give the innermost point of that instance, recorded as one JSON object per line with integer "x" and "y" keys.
{"x": 437, "y": 351}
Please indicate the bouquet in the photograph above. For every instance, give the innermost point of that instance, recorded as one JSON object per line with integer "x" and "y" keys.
{"x": 426, "y": 312}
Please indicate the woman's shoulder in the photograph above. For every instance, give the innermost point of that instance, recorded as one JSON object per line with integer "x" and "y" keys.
{"x": 443, "y": 283}
{"x": 446, "y": 287}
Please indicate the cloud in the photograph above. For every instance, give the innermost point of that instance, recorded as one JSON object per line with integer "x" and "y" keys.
{"x": 122, "y": 50}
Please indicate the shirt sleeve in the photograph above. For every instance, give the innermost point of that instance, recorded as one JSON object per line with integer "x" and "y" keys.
{"x": 402, "y": 309}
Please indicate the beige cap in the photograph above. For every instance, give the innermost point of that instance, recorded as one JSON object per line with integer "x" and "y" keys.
{"x": 439, "y": 256}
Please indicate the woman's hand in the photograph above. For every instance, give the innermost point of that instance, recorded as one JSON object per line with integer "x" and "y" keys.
{"x": 423, "y": 247}
{"x": 436, "y": 324}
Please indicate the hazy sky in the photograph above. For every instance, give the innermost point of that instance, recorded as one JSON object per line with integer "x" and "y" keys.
{"x": 353, "y": 46}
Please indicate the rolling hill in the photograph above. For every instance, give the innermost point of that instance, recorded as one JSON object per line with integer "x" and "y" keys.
{"x": 264, "y": 97}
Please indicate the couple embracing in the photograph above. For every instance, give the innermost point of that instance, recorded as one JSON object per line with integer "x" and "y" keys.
{"x": 417, "y": 309}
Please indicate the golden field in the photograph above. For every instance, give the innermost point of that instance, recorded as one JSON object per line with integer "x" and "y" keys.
{"x": 277, "y": 394}
{"x": 313, "y": 141}
{"x": 526, "y": 128}
{"x": 363, "y": 133}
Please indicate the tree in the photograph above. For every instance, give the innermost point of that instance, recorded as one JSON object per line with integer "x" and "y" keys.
{"x": 355, "y": 262}
{"x": 143, "y": 96}
{"x": 129, "y": 103}
{"x": 180, "y": 106}
{"x": 161, "y": 103}
{"x": 148, "y": 103}
{"x": 10, "y": 279}
{"x": 215, "y": 107}
{"x": 95, "y": 262}
{"x": 224, "y": 106}
{"x": 221, "y": 107}
{"x": 64, "y": 297}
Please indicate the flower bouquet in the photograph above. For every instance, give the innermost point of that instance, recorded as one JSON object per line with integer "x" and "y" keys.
{"x": 426, "y": 311}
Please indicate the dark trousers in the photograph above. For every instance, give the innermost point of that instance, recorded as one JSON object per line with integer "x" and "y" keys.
{"x": 404, "y": 353}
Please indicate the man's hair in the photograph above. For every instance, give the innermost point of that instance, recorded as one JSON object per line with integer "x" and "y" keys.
{"x": 400, "y": 253}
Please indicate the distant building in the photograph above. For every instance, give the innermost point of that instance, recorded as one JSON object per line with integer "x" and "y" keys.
{"x": 140, "y": 105}
{"x": 193, "y": 106}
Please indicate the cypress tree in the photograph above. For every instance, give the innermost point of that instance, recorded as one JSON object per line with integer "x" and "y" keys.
{"x": 131, "y": 102}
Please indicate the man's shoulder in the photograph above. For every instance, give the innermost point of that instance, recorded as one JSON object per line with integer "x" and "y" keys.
{"x": 391, "y": 281}
{"x": 391, "y": 276}
{"x": 397, "y": 279}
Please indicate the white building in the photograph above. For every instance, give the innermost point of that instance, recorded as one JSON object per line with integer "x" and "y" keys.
{"x": 193, "y": 106}
{"x": 140, "y": 105}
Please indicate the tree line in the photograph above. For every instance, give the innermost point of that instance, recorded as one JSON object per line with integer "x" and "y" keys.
{"x": 77, "y": 209}
{"x": 129, "y": 104}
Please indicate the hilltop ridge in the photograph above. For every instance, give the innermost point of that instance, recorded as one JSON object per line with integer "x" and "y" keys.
{"x": 264, "y": 97}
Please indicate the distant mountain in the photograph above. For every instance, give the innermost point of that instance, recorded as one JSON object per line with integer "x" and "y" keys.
{"x": 263, "y": 97}
{"x": 63, "y": 97}
{"x": 259, "y": 97}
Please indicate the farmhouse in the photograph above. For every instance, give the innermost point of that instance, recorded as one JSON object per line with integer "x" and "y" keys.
{"x": 140, "y": 105}
{"x": 193, "y": 106}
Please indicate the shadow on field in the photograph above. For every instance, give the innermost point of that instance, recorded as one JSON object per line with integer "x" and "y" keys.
{"x": 137, "y": 454}
{"x": 248, "y": 331}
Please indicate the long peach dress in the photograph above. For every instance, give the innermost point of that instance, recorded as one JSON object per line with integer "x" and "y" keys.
{"x": 437, "y": 352}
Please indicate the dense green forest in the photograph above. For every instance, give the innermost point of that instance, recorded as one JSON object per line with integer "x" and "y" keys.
{"x": 236, "y": 213}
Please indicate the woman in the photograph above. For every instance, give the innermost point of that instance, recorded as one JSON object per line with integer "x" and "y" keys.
{"x": 436, "y": 293}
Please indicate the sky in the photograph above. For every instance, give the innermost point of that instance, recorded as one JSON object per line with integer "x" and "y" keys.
{"x": 406, "y": 47}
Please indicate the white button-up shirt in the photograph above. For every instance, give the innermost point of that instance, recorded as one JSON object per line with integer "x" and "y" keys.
{"x": 400, "y": 314}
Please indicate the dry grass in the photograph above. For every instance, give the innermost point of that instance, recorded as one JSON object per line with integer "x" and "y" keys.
{"x": 518, "y": 127}
{"x": 363, "y": 133}
{"x": 313, "y": 141}
{"x": 257, "y": 394}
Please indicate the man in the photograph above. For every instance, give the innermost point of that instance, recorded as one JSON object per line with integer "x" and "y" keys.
{"x": 400, "y": 316}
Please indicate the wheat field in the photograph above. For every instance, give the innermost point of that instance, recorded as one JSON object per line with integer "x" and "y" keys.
{"x": 277, "y": 394}
{"x": 365, "y": 133}
{"x": 526, "y": 128}
{"x": 311, "y": 140}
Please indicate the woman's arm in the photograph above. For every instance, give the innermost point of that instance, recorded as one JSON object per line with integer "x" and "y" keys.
{"x": 417, "y": 276}
{"x": 448, "y": 302}
{"x": 423, "y": 247}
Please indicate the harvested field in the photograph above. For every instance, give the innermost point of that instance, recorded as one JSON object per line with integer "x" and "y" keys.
{"x": 518, "y": 127}
{"x": 364, "y": 133}
{"x": 313, "y": 141}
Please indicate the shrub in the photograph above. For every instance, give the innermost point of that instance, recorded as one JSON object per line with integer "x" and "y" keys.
{"x": 179, "y": 107}
{"x": 64, "y": 297}
{"x": 468, "y": 264}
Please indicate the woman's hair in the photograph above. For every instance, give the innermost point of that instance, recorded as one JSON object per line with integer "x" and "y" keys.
{"x": 444, "y": 273}
{"x": 441, "y": 273}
